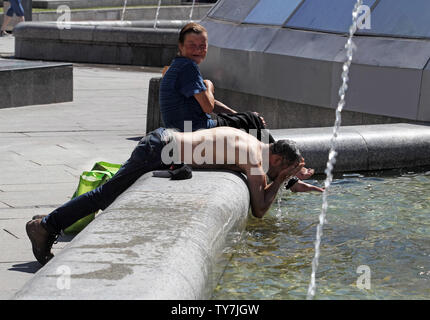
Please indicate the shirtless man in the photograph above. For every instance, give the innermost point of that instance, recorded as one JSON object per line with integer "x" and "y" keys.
{"x": 217, "y": 148}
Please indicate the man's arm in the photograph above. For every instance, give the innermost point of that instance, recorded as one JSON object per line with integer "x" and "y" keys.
{"x": 301, "y": 186}
{"x": 206, "y": 98}
{"x": 262, "y": 195}
{"x": 222, "y": 108}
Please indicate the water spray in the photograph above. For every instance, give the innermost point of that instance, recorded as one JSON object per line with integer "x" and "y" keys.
{"x": 350, "y": 47}
{"x": 192, "y": 10}
{"x": 123, "y": 10}
{"x": 156, "y": 14}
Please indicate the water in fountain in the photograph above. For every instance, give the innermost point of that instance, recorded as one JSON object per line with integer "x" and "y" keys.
{"x": 332, "y": 153}
{"x": 192, "y": 10}
{"x": 123, "y": 10}
{"x": 156, "y": 14}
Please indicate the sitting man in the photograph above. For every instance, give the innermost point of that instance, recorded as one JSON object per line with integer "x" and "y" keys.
{"x": 162, "y": 147}
{"x": 186, "y": 97}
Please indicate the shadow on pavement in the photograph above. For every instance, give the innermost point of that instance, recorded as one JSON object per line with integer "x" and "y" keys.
{"x": 27, "y": 267}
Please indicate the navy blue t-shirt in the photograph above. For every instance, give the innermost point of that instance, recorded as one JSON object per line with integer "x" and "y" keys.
{"x": 177, "y": 89}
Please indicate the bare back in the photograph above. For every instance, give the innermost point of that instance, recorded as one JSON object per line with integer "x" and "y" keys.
{"x": 220, "y": 148}
{"x": 234, "y": 149}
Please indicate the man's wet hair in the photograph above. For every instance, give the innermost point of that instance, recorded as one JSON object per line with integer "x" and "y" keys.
{"x": 287, "y": 149}
{"x": 191, "y": 27}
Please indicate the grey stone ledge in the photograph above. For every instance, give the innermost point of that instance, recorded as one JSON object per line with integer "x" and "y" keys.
{"x": 160, "y": 239}
{"x": 53, "y": 4}
{"x": 96, "y": 44}
{"x": 96, "y": 33}
{"x": 364, "y": 148}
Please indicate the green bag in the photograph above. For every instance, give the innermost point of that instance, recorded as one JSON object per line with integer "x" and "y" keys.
{"x": 106, "y": 166}
{"x": 89, "y": 180}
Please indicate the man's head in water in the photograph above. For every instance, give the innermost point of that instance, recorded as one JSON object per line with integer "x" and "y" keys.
{"x": 283, "y": 153}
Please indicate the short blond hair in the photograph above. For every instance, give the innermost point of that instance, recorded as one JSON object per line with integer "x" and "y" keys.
{"x": 191, "y": 27}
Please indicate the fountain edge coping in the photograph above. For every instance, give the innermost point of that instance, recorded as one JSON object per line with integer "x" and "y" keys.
{"x": 160, "y": 239}
{"x": 97, "y": 33}
{"x": 363, "y": 147}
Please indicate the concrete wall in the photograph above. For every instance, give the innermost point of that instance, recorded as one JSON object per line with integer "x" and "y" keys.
{"x": 131, "y": 14}
{"x": 277, "y": 113}
{"x": 280, "y": 114}
{"x": 304, "y": 68}
{"x": 424, "y": 110}
{"x": 153, "y": 114}
{"x": 96, "y": 44}
{"x": 165, "y": 13}
{"x": 364, "y": 148}
{"x": 53, "y": 4}
{"x": 26, "y": 83}
{"x": 161, "y": 239}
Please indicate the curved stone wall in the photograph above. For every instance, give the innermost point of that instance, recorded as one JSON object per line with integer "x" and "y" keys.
{"x": 160, "y": 239}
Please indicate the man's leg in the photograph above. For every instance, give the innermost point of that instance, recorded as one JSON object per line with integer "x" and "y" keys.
{"x": 97, "y": 199}
{"x": 42, "y": 232}
{"x": 6, "y": 21}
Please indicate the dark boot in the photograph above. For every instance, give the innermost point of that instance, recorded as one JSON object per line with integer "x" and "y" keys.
{"x": 41, "y": 241}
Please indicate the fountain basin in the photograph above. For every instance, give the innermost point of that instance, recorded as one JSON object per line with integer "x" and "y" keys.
{"x": 376, "y": 221}
{"x": 165, "y": 239}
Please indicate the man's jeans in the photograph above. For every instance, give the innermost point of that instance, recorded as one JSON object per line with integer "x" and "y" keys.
{"x": 145, "y": 157}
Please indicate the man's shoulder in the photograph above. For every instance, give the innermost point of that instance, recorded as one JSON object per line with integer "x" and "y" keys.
{"x": 181, "y": 67}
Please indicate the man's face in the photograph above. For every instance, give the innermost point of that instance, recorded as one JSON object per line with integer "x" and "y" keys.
{"x": 276, "y": 167}
{"x": 195, "y": 47}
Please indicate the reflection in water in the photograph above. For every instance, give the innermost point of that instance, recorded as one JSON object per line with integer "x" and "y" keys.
{"x": 381, "y": 222}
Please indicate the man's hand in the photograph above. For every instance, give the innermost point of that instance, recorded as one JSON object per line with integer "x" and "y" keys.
{"x": 262, "y": 119}
{"x": 301, "y": 186}
{"x": 305, "y": 173}
{"x": 290, "y": 171}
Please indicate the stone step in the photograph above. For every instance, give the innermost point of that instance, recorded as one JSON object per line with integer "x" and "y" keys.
{"x": 73, "y": 4}
{"x": 26, "y": 83}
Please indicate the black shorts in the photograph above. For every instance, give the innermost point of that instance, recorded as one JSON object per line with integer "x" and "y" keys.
{"x": 246, "y": 121}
